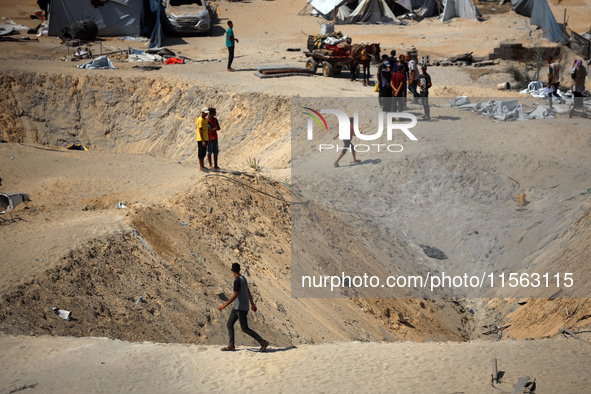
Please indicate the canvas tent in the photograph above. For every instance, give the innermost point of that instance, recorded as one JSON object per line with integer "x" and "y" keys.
{"x": 371, "y": 11}
{"x": 460, "y": 9}
{"x": 541, "y": 16}
{"x": 113, "y": 18}
{"x": 367, "y": 11}
{"x": 427, "y": 8}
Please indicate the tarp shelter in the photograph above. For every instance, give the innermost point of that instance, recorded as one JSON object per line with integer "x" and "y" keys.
{"x": 371, "y": 11}
{"x": 427, "y": 8}
{"x": 113, "y": 18}
{"x": 541, "y": 16}
{"x": 460, "y": 9}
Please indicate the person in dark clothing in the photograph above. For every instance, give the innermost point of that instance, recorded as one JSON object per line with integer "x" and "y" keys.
{"x": 379, "y": 78}
{"x": 385, "y": 87}
{"x": 425, "y": 84}
{"x": 403, "y": 68}
{"x": 241, "y": 298}
{"x": 393, "y": 60}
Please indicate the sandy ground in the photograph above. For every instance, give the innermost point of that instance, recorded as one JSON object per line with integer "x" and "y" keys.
{"x": 102, "y": 366}
{"x": 181, "y": 230}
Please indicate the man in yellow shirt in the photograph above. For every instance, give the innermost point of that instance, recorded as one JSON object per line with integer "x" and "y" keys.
{"x": 202, "y": 137}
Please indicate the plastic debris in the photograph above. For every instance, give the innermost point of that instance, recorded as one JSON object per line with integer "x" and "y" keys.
{"x": 121, "y": 205}
{"x": 62, "y": 313}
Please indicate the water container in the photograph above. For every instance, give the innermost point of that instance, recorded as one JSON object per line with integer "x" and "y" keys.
{"x": 326, "y": 29}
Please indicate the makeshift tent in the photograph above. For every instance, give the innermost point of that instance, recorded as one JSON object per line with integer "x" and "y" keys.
{"x": 461, "y": 9}
{"x": 541, "y": 16}
{"x": 113, "y": 18}
{"x": 371, "y": 11}
{"x": 427, "y": 8}
{"x": 325, "y": 8}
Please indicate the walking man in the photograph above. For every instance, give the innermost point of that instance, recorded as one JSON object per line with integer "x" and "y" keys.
{"x": 348, "y": 145}
{"x": 230, "y": 44}
{"x": 202, "y": 137}
{"x": 241, "y": 299}
{"x": 554, "y": 80}
{"x": 425, "y": 84}
{"x": 212, "y": 145}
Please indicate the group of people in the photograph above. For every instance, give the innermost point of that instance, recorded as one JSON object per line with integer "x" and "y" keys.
{"x": 578, "y": 74}
{"x": 207, "y": 138}
{"x": 397, "y": 76}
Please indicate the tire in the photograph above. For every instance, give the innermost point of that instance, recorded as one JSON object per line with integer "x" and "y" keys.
{"x": 328, "y": 69}
{"x": 312, "y": 64}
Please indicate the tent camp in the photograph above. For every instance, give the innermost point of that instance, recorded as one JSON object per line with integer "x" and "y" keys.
{"x": 460, "y": 9}
{"x": 541, "y": 16}
{"x": 113, "y": 18}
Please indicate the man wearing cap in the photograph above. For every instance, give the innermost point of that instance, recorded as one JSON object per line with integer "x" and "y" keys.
{"x": 202, "y": 137}
{"x": 241, "y": 299}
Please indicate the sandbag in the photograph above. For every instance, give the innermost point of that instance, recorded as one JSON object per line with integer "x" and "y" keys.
{"x": 85, "y": 30}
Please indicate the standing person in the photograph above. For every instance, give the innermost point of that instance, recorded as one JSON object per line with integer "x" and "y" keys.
{"x": 398, "y": 87}
{"x": 379, "y": 78}
{"x": 241, "y": 298}
{"x": 202, "y": 137}
{"x": 579, "y": 74}
{"x": 230, "y": 44}
{"x": 554, "y": 79}
{"x": 393, "y": 60}
{"x": 348, "y": 145}
{"x": 385, "y": 87}
{"x": 212, "y": 145}
{"x": 425, "y": 84}
{"x": 413, "y": 77}
{"x": 403, "y": 67}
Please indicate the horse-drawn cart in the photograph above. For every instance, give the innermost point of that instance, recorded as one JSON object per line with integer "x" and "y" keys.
{"x": 331, "y": 65}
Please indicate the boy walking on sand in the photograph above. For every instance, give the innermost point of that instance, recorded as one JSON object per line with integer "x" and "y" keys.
{"x": 348, "y": 145}
{"x": 241, "y": 299}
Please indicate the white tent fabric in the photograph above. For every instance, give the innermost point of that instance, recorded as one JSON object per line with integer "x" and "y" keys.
{"x": 114, "y": 18}
{"x": 461, "y": 9}
{"x": 325, "y": 7}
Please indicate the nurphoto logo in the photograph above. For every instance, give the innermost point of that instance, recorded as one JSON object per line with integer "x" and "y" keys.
{"x": 349, "y": 127}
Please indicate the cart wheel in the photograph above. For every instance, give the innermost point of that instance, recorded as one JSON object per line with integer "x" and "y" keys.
{"x": 327, "y": 69}
{"x": 312, "y": 64}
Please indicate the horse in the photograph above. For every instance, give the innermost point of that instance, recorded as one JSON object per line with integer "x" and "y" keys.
{"x": 363, "y": 54}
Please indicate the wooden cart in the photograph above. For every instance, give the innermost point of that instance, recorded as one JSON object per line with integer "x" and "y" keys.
{"x": 331, "y": 65}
